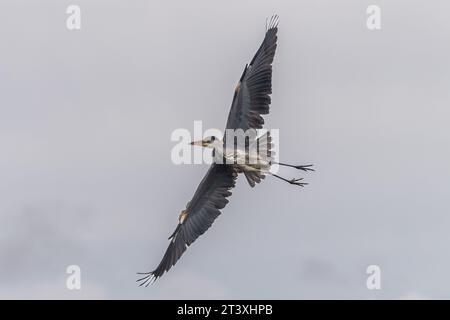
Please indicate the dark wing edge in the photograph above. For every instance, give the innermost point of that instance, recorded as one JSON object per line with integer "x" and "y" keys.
{"x": 252, "y": 94}
{"x": 209, "y": 198}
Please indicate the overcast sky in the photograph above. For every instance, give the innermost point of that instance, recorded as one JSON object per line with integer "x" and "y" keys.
{"x": 86, "y": 176}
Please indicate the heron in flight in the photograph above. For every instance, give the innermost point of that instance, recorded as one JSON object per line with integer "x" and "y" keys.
{"x": 251, "y": 100}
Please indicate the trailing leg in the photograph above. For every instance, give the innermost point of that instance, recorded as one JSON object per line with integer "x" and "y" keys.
{"x": 292, "y": 181}
{"x": 305, "y": 168}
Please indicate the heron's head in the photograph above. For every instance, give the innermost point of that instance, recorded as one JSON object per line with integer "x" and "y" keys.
{"x": 208, "y": 142}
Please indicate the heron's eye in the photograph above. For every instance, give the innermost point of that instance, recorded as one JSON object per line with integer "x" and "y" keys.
{"x": 213, "y": 138}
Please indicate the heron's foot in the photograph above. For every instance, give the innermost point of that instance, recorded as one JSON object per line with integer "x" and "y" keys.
{"x": 297, "y": 182}
{"x": 305, "y": 168}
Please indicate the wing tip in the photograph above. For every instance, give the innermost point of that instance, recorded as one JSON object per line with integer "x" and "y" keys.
{"x": 149, "y": 278}
{"x": 272, "y": 23}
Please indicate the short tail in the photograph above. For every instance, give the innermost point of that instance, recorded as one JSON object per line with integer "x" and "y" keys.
{"x": 254, "y": 177}
{"x": 263, "y": 146}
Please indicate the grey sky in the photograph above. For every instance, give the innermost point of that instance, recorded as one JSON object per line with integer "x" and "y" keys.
{"x": 86, "y": 176}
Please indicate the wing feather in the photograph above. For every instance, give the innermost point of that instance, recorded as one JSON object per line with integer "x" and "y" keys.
{"x": 252, "y": 95}
{"x": 210, "y": 196}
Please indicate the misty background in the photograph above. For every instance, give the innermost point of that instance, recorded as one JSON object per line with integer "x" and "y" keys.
{"x": 86, "y": 176}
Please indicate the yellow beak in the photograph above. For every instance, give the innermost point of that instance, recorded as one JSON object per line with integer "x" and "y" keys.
{"x": 197, "y": 143}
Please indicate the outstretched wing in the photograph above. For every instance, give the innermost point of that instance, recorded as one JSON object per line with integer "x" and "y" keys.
{"x": 210, "y": 196}
{"x": 251, "y": 96}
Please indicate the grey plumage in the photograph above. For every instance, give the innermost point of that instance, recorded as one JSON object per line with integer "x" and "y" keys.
{"x": 252, "y": 95}
{"x": 251, "y": 100}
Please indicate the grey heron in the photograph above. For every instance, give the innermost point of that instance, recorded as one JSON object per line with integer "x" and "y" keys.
{"x": 251, "y": 100}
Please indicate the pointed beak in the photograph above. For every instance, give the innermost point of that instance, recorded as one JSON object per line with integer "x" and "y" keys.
{"x": 197, "y": 143}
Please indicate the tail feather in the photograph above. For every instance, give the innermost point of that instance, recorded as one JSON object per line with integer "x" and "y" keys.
{"x": 264, "y": 146}
{"x": 253, "y": 177}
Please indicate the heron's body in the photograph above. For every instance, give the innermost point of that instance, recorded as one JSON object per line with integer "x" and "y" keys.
{"x": 251, "y": 100}
{"x": 246, "y": 160}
